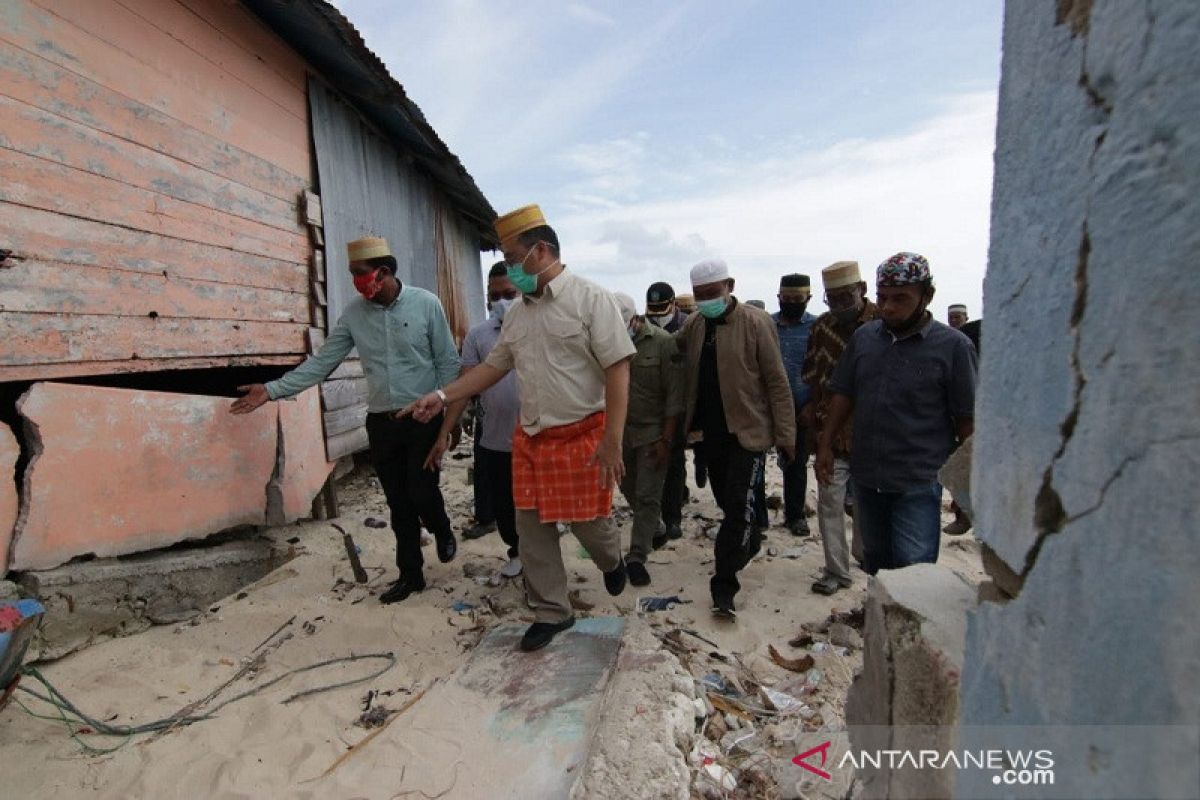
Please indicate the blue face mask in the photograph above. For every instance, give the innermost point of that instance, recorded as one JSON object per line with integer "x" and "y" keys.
{"x": 501, "y": 307}
{"x": 712, "y": 309}
{"x": 525, "y": 283}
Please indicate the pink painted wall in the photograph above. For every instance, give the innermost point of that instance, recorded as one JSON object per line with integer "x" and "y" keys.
{"x": 303, "y": 470}
{"x": 118, "y": 471}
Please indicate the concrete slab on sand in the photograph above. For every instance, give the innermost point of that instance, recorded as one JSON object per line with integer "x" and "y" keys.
{"x": 510, "y": 724}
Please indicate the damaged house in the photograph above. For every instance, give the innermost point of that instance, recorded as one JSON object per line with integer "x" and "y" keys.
{"x": 179, "y": 181}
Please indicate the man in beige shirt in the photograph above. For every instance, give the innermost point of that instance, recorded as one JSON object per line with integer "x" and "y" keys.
{"x": 571, "y": 351}
{"x": 738, "y": 397}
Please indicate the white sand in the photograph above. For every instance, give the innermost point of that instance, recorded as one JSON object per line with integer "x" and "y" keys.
{"x": 260, "y": 748}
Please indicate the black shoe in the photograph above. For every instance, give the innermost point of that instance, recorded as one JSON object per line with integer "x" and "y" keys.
{"x": 614, "y": 581}
{"x": 638, "y": 575}
{"x": 478, "y": 531}
{"x": 446, "y": 546}
{"x": 658, "y": 541}
{"x": 401, "y": 589}
{"x": 723, "y": 608}
{"x": 799, "y": 528}
{"x": 539, "y": 634}
{"x": 674, "y": 531}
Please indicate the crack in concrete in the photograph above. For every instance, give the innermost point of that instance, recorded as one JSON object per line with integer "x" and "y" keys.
{"x": 31, "y": 443}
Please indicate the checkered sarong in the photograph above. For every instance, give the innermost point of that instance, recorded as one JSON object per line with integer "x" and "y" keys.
{"x": 552, "y": 473}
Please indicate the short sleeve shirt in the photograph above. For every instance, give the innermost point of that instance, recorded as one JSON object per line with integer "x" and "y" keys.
{"x": 560, "y": 344}
{"x": 907, "y": 393}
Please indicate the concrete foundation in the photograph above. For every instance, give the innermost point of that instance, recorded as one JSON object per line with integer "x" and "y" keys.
{"x": 907, "y": 694}
{"x": 93, "y": 600}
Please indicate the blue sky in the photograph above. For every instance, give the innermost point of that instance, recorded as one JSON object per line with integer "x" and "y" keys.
{"x": 780, "y": 136}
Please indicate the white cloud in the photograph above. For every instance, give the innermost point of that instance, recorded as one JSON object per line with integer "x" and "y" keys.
{"x": 586, "y": 13}
{"x": 925, "y": 189}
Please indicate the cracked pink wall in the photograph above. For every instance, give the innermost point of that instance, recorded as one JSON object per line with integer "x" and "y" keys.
{"x": 117, "y": 471}
{"x": 303, "y": 468}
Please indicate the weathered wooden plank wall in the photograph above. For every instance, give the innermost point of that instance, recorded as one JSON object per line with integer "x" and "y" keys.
{"x": 153, "y": 154}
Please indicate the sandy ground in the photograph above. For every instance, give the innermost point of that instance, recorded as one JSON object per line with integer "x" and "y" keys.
{"x": 261, "y": 747}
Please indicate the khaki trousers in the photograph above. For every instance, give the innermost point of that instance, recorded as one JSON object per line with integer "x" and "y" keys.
{"x": 643, "y": 489}
{"x": 541, "y": 555}
{"x": 831, "y": 518}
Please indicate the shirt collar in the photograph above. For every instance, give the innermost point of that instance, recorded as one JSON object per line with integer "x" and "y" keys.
{"x": 552, "y": 289}
{"x": 922, "y": 331}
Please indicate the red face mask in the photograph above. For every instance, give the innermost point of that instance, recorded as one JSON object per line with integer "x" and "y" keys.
{"x": 370, "y": 284}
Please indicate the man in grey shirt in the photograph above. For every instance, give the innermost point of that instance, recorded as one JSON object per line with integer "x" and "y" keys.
{"x": 910, "y": 383}
{"x": 501, "y": 409}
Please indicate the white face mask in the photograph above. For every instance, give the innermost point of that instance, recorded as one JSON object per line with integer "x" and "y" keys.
{"x": 660, "y": 319}
{"x": 501, "y": 307}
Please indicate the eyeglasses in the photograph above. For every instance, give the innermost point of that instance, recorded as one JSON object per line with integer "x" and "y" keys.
{"x": 840, "y": 300}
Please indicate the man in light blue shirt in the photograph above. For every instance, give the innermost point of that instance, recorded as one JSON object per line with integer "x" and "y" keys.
{"x": 795, "y": 325}
{"x": 407, "y": 351}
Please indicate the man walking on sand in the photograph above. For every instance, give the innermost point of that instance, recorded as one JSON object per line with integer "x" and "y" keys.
{"x": 849, "y": 309}
{"x": 407, "y": 349}
{"x": 655, "y": 405}
{"x": 909, "y": 382}
{"x": 738, "y": 397}
{"x": 570, "y": 349}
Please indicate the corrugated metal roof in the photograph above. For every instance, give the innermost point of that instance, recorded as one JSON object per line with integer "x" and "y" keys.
{"x": 333, "y": 46}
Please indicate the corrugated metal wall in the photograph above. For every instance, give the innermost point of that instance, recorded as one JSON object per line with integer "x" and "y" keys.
{"x": 152, "y": 155}
{"x": 368, "y": 188}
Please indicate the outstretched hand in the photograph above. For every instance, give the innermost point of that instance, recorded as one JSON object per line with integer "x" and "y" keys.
{"x": 422, "y": 409}
{"x": 254, "y": 395}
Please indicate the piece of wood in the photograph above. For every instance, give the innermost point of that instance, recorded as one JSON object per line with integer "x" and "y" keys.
{"x": 342, "y": 393}
{"x": 359, "y": 745}
{"x": 43, "y": 184}
{"x": 43, "y": 134}
{"x": 28, "y": 339}
{"x": 312, "y": 208}
{"x": 360, "y": 574}
{"x": 30, "y": 78}
{"x": 345, "y": 419}
{"x": 350, "y": 368}
{"x": 316, "y": 338}
{"x": 45, "y": 372}
{"x": 50, "y": 237}
{"x": 346, "y": 443}
{"x": 92, "y": 43}
{"x": 318, "y": 266}
{"x": 318, "y": 238}
{"x": 34, "y": 285}
{"x": 316, "y": 317}
{"x": 318, "y": 292}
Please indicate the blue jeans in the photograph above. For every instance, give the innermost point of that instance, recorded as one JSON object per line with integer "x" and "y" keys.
{"x": 898, "y": 528}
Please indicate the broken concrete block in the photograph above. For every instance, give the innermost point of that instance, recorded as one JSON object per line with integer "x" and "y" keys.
{"x": 94, "y": 600}
{"x": 955, "y": 475}
{"x": 10, "y": 450}
{"x": 118, "y": 471}
{"x": 907, "y": 693}
{"x": 301, "y": 468}
{"x": 524, "y": 721}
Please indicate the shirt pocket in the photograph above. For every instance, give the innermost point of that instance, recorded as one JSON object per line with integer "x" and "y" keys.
{"x": 564, "y": 337}
{"x": 923, "y": 387}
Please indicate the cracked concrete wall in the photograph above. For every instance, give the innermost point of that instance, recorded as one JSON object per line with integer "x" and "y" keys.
{"x": 10, "y": 451}
{"x": 1085, "y": 445}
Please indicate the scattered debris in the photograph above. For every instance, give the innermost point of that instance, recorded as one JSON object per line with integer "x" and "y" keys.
{"x": 843, "y": 635}
{"x": 660, "y": 603}
{"x": 374, "y": 718}
{"x": 575, "y": 596}
{"x": 802, "y": 640}
{"x": 373, "y": 522}
{"x": 802, "y": 664}
{"x": 462, "y": 606}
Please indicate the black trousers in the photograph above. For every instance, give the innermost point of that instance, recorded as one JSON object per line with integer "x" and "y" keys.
{"x": 795, "y": 479}
{"x": 398, "y": 450}
{"x": 494, "y": 469}
{"x": 675, "y": 489}
{"x": 733, "y": 472}
{"x": 485, "y": 511}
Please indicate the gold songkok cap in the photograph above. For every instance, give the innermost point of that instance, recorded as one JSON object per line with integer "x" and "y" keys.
{"x": 525, "y": 218}
{"x": 368, "y": 247}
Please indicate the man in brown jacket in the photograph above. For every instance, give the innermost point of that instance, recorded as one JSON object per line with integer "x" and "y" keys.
{"x": 738, "y": 397}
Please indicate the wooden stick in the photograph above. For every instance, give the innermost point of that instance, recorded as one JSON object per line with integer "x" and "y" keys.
{"x": 354, "y": 748}
{"x": 360, "y": 574}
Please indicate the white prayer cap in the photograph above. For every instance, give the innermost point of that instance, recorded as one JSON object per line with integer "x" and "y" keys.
{"x": 627, "y": 306}
{"x": 710, "y": 271}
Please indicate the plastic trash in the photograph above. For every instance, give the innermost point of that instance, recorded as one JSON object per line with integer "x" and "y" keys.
{"x": 462, "y": 606}
{"x": 659, "y": 603}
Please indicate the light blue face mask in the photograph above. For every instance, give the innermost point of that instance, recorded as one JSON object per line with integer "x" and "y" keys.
{"x": 501, "y": 307}
{"x": 712, "y": 309}
{"x": 525, "y": 283}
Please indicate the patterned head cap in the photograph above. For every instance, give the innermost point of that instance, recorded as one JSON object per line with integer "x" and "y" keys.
{"x": 903, "y": 269}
